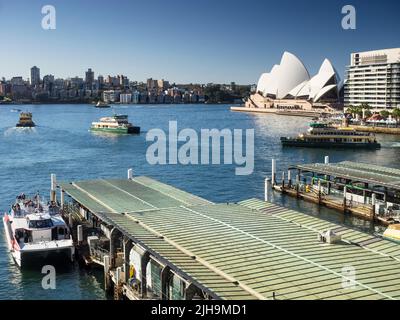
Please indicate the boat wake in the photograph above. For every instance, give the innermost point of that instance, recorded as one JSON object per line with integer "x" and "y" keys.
{"x": 391, "y": 145}
{"x": 18, "y": 131}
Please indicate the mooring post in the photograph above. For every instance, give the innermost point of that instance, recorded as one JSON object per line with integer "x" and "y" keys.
{"x": 62, "y": 198}
{"x": 373, "y": 201}
{"x": 79, "y": 232}
{"x": 283, "y": 181}
{"x": 344, "y": 198}
{"x": 298, "y": 184}
{"x": 319, "y": 191}
{"x": 289, "y": 177}
{"x": 273, "y": 172}
{"x": 130, "y": 174}
{"x": 53, "y": 187}
{"x": 107, "y": 284}
{"x": 267, "y": 188}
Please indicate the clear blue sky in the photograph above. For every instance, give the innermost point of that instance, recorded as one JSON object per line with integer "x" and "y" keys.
{"x": 187, "y": 40}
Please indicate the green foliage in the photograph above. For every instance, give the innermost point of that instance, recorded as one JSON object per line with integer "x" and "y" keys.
{"x": 396, "y": 113}
{"x": 364, "y": 108}
{"x": 385, "y": 114}
{"x": 216, "y": 94}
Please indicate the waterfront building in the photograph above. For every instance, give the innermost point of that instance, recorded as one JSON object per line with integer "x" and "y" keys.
{"x": 125, "y": 98}
{"x": 35, "y": 76}
{"x": 48, "y": 81}
{"x": 76, "y": 83}
{"x": 110, "y": 96}
{"x": 152, "y": 85}
{"x": 288, "y": 86}
{"x": 373, "y": 78}
{"x": 17, "y": 81}
{"x": 135, "y": 97}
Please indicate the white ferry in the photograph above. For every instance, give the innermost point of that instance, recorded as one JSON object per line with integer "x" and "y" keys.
{"x": 36, "y": 232}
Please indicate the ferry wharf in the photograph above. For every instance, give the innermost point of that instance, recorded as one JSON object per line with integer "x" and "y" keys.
{"x": 157, "y": 242}
{"x": 364, "y": 190}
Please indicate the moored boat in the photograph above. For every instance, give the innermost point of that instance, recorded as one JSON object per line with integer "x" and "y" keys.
{"x": 322, "y": 135}
{"x": 36, "y": 232}
{"x": 118, "y": 124}
{"x": 25, "y": 120}
{"x": 102, "y": 105}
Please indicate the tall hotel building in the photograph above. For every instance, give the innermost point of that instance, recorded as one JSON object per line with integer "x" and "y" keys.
{"x": 373, "y": 77}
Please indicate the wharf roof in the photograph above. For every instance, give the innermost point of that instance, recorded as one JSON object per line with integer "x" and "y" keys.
{"x": 357, "y": 172}
{"x": 247, "y": 250}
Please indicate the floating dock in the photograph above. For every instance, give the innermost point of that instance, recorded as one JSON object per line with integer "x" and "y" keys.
{"x": 365, "y": 190}
{"x": 165, "y": 243}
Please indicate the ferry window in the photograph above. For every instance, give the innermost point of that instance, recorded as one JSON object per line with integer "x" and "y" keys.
{"x": 40, "y": 224}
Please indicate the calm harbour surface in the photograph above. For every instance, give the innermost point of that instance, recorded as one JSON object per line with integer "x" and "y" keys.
{"x": 62, "y": 144}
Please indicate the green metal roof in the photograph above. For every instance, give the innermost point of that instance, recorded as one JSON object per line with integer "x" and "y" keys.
{"x": 360, "y": 172}
{"x": 248, "y": 250}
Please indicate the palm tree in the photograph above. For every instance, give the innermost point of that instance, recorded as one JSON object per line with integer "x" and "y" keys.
{"x": 396, "y": 113}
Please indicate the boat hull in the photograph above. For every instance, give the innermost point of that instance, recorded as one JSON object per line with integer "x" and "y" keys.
{"x": 26, "y": 125}
{"x": 305, "y": 144}
{"x": 130, "y": 130}
{"x": 33, "y": 258}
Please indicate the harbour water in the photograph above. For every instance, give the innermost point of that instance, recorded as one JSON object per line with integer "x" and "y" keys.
{"x": 62, "y": 144}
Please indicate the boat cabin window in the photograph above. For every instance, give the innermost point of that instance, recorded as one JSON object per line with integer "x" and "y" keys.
{"x": 40, "y": 224}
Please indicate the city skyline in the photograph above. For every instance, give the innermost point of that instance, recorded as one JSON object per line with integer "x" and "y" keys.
{"x": 206, "y": 42}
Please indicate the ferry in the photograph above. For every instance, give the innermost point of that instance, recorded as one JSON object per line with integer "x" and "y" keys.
{"x": 323, "y": 135}
{"x": 116, "y": 124}
{"x": 36, "y": 232}
{"x": 102, "y": 105}
{"x": 392, "y": 233}
{"x": 25, "y": 120}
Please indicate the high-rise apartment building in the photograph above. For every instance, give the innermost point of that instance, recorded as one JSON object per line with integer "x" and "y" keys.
{"x": 89, "y": 78}
{"x": 373, "y": 78}
{"x": 35, "y": 76}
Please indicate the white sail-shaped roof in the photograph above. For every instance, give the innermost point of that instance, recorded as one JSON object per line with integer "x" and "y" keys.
{"x": 262, "y": 83}
{"x": 283, "y": 77}
{"x": 290, "y": 79}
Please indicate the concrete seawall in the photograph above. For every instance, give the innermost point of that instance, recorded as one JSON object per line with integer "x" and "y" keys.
{"x": 296, "y": 113}
{"x": 395, "y": 131}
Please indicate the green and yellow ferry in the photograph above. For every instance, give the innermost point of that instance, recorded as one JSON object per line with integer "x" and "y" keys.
{"x": 323, "y": 135}
{"x": 117, "y": 124}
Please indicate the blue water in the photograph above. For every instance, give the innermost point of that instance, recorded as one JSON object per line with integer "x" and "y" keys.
{"x": 62, "y": 144}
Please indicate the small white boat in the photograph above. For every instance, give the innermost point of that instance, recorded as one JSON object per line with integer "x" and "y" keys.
{"x": 102, "y": 105}
{"x": 37, "y": 232}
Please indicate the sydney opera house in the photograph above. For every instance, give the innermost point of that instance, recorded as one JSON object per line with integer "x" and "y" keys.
{"x": 289, "y": 88}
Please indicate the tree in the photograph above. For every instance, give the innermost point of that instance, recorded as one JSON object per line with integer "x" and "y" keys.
{"x": 396, "y": 113}
{"x": 385, "y": 114}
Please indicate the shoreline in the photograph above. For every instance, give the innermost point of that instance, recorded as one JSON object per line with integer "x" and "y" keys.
{"x": 294, "y": 113}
